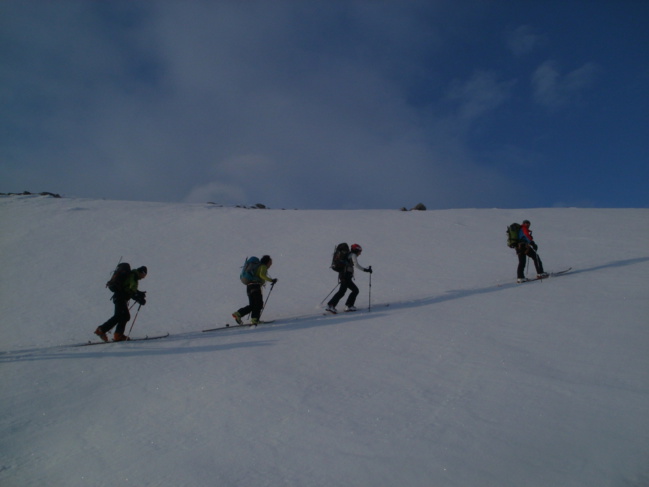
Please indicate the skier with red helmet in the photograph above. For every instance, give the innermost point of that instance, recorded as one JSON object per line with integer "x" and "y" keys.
{"x": 527, "y": 248}
{"x": 346, "y": 279}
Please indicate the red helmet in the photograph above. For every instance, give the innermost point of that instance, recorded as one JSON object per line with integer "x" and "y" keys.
{"x": 357, "y": 249}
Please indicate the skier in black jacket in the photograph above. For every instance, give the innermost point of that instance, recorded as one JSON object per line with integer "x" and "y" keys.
{"x": 128, "y": 290}
{"x": 346, "y": 279}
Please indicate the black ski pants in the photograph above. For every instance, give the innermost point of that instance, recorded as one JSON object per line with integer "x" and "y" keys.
{"x": 346, "y": 283}
{"x": 523, "y": 253}
{"x": 255, "y": 301}
{"x": 120, "y": 317}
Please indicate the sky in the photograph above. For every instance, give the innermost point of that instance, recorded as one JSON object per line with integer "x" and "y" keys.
{"x": 328, "y": 104}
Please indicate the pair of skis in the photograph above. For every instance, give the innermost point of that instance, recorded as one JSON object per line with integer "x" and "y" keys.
{"x": 228, "y": 326}
{"x": 329, "y": 312}
{"x": 550, "y": 274}
{"x": 123, "y": 341}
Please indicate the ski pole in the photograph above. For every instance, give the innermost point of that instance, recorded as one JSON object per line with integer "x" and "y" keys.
{"x": 537, "y": 260}
{"x": 330, "y": 292}
{"x": 264, "y": 307}
{"x": 133, "y": 323}
{"x": 369, "y": 308}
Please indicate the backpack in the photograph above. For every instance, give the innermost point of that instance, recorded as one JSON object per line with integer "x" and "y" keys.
{"x": 339, "y": 259}
{"x": 513, "y": 235}
{"x": 121, "y": 272}
{"x": 249, "y": 270}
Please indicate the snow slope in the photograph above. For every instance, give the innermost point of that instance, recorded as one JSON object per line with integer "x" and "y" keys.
{"x": 456, "y": 377}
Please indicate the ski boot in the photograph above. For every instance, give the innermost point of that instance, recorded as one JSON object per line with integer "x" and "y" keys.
{"x": 101, "y": 335}
{"x": 120, "y": 337}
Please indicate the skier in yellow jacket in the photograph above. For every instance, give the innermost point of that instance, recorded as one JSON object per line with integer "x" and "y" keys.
{"x": 258, "y": 278}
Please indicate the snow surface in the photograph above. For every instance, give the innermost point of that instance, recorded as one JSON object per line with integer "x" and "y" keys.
{"x": 456, "y": 377}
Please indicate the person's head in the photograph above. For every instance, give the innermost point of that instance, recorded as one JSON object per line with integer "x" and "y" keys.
{"x": 526, "y": 223}
{"x": 266, "y": 260}
{"x": 142, "y": 272}
{"x": 357, "y": 249}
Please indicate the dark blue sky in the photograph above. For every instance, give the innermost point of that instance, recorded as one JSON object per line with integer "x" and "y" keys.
{"x": 328, "y": 104}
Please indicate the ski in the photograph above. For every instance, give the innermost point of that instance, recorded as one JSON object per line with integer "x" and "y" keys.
{"x": 558, "y": 273}
{"x": 292, "y": 319}
{"x": 550, "y": 274}
{"x": 329, "y": 312}
{"x": 244, "y": 325}
{"x": 555, "y": 274}
{"x": 123, "y": 341}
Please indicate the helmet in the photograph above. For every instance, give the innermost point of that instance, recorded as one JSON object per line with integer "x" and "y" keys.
{"x": 526, "y": 222}
{"x": 357, "y": 249}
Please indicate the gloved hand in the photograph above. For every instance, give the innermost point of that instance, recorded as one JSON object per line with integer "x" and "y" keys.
{"x": 369, "y": 269}
{"x": 534, "y": 246}
{"x": 274, "y": 281}
{"x": 140, "y": 297}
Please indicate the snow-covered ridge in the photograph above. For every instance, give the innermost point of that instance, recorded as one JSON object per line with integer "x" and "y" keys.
{"x": 465, "y": 379}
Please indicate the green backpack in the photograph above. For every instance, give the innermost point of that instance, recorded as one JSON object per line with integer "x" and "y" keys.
{"x": 513, "y": 232}
{"x": 121, "y": 272}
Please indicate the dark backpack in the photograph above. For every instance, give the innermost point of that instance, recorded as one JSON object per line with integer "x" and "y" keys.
{"x": 249, "y": 270}
{"x": 121, "y": 272}
{"x": 339, "y": 259}
{"x": 513, "y": 232}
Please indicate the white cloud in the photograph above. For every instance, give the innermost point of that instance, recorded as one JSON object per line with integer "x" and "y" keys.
{"x": 554, "y": 89}
{"x": 480, "y": 94}
{"x": 523, "y": 40}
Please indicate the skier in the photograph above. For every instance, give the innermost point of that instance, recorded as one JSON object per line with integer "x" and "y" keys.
{"x": 253, "y": 290}
{"x": 527, "y": 248}
{"x": 346, "y": 279}
{"x": 127, "y": 290}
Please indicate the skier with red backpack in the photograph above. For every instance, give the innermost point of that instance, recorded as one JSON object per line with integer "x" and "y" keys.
{"x": 519, "y": 237}
{"x": 344, "y": 262}
{"x": 124, "y": 286}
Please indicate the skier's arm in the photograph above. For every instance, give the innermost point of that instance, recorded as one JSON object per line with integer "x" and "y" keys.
{"x": 356, "y": 264}
{"x": 263, "y": 274}
{"x": 130, "y": 286}
{"x": 527, "y": 233}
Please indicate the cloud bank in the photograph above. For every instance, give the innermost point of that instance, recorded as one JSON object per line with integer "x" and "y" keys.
{"x": 292, "y": 104}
